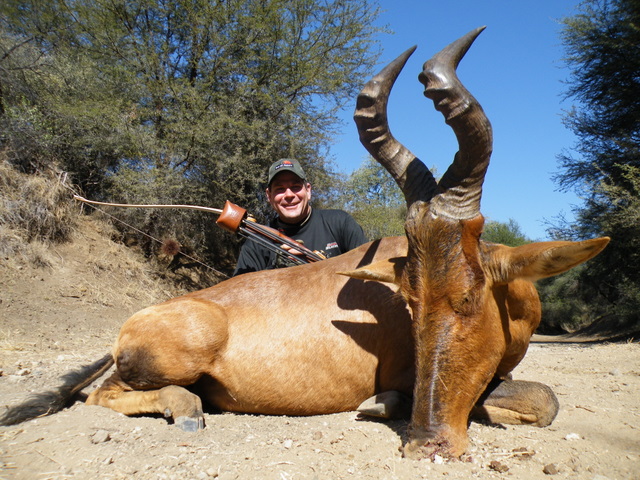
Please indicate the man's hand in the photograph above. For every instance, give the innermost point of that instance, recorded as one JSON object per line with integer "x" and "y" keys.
{"x": 290, "y": 250}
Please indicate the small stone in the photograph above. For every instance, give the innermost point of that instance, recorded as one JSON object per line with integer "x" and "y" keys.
{"x": 551, "y": 469}
{"x": 212, "y": 473}
{"x": 130, "y": 469}
{"x": 572, "y": 436}
{"x": 100, "y": 436}
{"x": 317, "y": 436}
{"x": 615, "y": 372}
{"x": 498, "y": 466}
{"x": 187, "y": 424}
{"x": 287, "y": 443}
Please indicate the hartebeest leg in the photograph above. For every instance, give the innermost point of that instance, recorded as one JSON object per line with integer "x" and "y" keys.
{"x": 160, "y": 350}
{"x": 517, "y": 402}
{"x": 172, "y": 401}
{"x": 514, "y": 402}
{"x": 390, "y": 405}
{"x": 509, "y": 401}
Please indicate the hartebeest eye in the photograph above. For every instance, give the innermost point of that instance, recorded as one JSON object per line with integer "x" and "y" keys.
{"x": 464, "y": 303}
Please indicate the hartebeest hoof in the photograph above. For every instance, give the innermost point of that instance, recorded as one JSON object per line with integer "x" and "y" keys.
{"x": 183, "y": 406}
{"x": 389, "y": 405}
{"x": 518, "y": 402}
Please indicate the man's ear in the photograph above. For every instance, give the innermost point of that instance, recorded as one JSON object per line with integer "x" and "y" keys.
{"x": 268, "y": 193}
{"x": 388, "y": 271}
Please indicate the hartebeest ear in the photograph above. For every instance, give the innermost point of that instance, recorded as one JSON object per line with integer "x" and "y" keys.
{"x": 388, "y": 271}
{"x": 543, "y": 259}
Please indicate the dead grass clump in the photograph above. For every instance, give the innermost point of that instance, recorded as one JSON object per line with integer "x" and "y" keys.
{"x": 37, "y": 206}
{"x": 15, "y": 249}
{"x": 9, "y": 342}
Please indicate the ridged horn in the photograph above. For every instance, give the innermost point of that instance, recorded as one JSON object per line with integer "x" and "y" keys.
{"x": 461, "y": 185}
{"x": 414, "y": 179}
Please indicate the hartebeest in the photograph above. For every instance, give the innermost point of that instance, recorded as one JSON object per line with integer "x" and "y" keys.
{"x": 435, "y": 316}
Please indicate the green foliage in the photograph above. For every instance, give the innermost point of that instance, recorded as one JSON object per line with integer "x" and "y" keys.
{"x": 374, "y": 199}
{"x": 198, "y": 96}
{"x": 57, "y": 109}
{"x": 564, "y": 310}
{"x": 602, "y": 46}
{"x": 509, "y": 233}
{"x": 602, "y": 43}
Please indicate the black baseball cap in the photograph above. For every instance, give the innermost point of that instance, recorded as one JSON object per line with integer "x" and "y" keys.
{"x": 286, "y": 164}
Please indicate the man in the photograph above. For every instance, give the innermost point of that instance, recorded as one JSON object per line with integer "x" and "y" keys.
{"x": 331, "y": 232}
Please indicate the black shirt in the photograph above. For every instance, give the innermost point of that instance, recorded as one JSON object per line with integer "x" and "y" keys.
{"x": 331, "y": 232}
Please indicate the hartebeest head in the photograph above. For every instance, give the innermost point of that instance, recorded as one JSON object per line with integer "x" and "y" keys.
{"x": 463, "y": 293}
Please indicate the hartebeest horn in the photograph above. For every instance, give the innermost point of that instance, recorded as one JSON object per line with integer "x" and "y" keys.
{"x": 461, "y": 185}
{"x": 458, "y": 193}
{"x": 415, "y": 180}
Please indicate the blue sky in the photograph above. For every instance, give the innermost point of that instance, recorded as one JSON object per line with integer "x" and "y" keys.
{"x": 514, "y": 69}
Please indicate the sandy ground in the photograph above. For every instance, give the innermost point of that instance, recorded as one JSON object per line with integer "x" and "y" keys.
{"x": 52, "y": 320}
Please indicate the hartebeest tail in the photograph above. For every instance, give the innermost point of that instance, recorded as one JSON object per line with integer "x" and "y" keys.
{"x": 52, "y": 401}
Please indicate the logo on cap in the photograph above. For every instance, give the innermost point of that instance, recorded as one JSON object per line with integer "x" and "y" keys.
{"x": 283, "y": 164}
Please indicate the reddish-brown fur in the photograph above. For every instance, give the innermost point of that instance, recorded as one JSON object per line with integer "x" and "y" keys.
{"x": 298, "y": 341}
{"x": 306, "y": 340}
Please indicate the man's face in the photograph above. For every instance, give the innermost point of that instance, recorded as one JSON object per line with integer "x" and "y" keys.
{"x": 289, "y": 196}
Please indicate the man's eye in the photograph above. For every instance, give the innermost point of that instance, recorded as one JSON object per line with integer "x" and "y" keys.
{"x": 281, "y": 190}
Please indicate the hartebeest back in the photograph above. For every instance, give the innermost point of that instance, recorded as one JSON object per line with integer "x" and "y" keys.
{"x": 436, "y": 315}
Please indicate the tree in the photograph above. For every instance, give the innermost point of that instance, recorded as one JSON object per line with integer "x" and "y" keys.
{"x": 189, "y": 101}
{"x": 374, "y": 200}
{"x": 509, "y": 233}
{"x": 602, "y": 44}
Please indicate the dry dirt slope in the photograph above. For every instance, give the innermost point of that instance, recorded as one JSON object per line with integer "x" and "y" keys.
{"x": 59, "y": 317}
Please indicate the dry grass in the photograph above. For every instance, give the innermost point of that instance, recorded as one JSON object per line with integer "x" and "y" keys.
{"x": 35, "y": 212}
{"x": 9, "y": 343}
{"x": 16, "y": 250}
{"x": 134, "y": 279}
